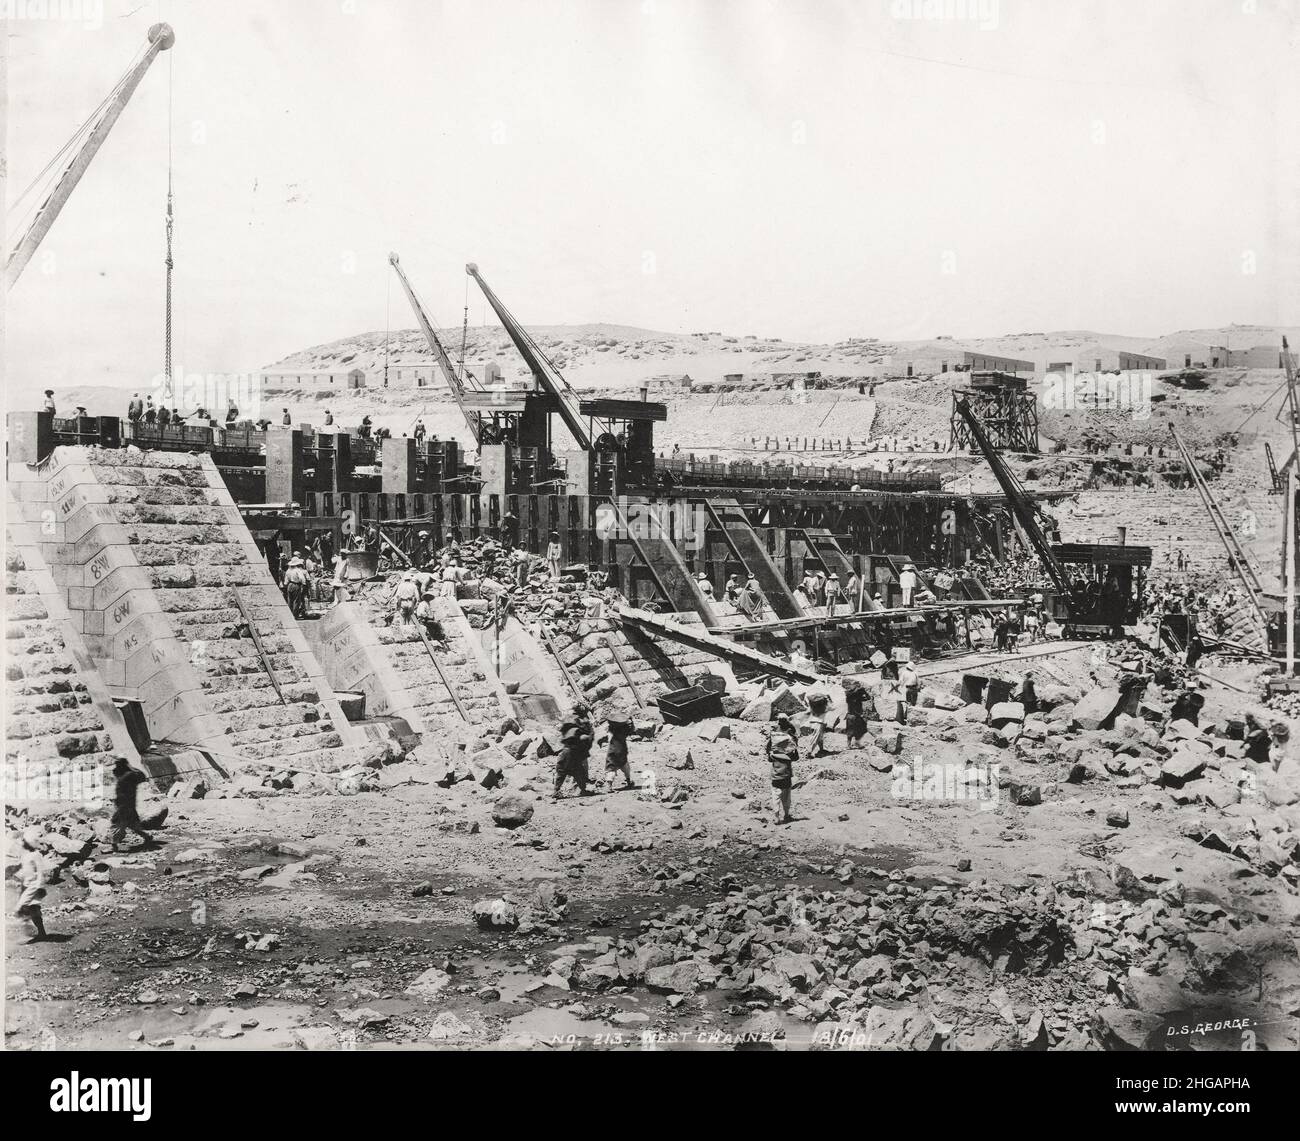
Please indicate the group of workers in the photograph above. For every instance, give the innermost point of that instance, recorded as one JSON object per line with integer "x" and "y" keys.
{"x": 576, "y": 739}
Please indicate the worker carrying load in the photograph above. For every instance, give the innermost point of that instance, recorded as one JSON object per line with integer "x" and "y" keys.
{"x": 575, "y": 747}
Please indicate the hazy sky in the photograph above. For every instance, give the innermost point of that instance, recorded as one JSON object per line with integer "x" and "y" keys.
{"x": 813, "y": 170}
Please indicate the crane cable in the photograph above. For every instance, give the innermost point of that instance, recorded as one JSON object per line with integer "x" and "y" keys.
{"x": 168, "y": 395}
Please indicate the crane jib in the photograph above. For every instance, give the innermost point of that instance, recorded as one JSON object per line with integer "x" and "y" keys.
{"x": 545, "y": 372}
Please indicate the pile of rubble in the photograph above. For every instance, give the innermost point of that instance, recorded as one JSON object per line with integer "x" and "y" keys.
{"x": 884, "y": 957}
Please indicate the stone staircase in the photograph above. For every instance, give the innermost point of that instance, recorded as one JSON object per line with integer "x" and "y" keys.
{"x": 411, "y": 668}
{"x": 149, "y": 550}
{"x": 655, "y": 666}
{"x": 61, "y": 725}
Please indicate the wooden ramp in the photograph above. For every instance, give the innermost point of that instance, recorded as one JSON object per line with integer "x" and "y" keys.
{"x": 738, "y": 655}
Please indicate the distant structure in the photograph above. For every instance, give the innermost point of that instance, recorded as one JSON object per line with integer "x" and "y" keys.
{"x": 982, "y": 362}
{"x": 314, "y": 378}
{"x": 1003, "y": 405}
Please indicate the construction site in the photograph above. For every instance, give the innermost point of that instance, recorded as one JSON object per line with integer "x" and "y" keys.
{"x": 592, "y": 690}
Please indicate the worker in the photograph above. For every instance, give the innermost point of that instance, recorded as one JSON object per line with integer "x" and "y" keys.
{"x": 575, "y": 745}
{"x": 423, "y": 553}
{"x": 49, "y": 406}
{"x": 1187, "y": 707}
{"x": 782, "y": 752}
{"x": 164, "y": 416}
{"x": 364, "y": 429}
{"x": 285, "y": 419}
{"x": 134, "y": 408}
{"x": 450, "y": 576}
{"x": 232, "y": 414}
{"x": 420, "y": 430}
{"x": 818, "y": 707}
{"x": 616, "y": 755}
{"x": 910, "y": 680}
{"x": 329, "y": 418}
{"x": 126, "y": 814}
{"x": 750, "y": 601}
{"x": 733, "y": 588}
{"x": 853, "y": 592}
{"x": 150, "y": 412}
{"x": 907, "y": 583}
{"x": 834, "y": 593}
{"x": 296, "y": 585}
{"x": 808, "y": 587}
{"x": 553, "y": 556}
{"x": 855, "y": 723}
{"x": 706, "y": 587}
{"x": 424, "y": 579}
{"x": 522, "y": 561}
{"x": 31, "y": 876}
{"x": 339, "y": 582}
{"x": 425, "y": 616}
{"x": 405, "y": 597}
{"x": 509, "y": 529}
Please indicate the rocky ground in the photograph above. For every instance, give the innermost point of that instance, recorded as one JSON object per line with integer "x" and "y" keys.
{"x": 1110, "y": 888}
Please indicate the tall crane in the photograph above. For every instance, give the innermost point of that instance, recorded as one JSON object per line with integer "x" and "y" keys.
{"x": 160, "y": 39}
{"x": 454, "y": 382}
{"x": 1021, "y": 505}
{"x": 542, "y": 367}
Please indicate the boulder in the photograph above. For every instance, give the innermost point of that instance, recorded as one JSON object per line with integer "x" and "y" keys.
{"x": 760, "y": 709}
{"x": 512, "y": 811}
{"x": 1004, "y": 712}
{"x": 1095, "y": 708}
{"x": 901, "y": 1028}
{"x": 674, "y": 978}
{"x": 496, "y": 915}
{"x": 1123, "y": 1029}
{"x": 1180, "y": 768}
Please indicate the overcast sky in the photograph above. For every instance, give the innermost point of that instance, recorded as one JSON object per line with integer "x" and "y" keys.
{"x": 813, "y": 170}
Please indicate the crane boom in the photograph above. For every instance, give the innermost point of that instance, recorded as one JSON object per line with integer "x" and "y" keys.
{"x": 440, "y": 353}
{"x": 548, "y": 376}
{"x": 161, "y": 37}
{"x": 1018, "y": 499}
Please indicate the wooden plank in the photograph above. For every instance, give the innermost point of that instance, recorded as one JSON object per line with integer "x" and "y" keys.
{"x": 257, "y": 643}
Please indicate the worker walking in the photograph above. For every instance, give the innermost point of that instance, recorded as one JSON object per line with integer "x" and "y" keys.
{"x": 296, "y": 584}
{"x": 575, "y": 747}
{"x": 910, "y": 680}
{"x": 126, "y": 812}
{"x": 855, "y": 723}
{"x": 616, "y": 757}
{"x": 419, "y": 432}
{"x": 818, "y": 705}
{"x": 32, "y": 878}
{"x": 782, "y": 752}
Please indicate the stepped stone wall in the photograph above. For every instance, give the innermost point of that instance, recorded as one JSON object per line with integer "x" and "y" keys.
{"x": 148, "y": 550}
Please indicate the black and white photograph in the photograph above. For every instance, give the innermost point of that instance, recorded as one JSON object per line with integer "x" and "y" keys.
{"x": 653, "y": 527}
